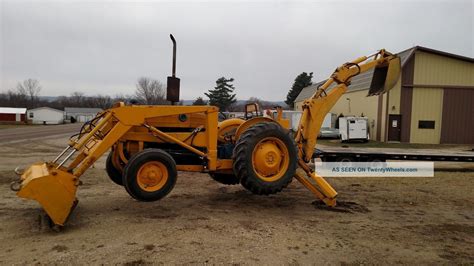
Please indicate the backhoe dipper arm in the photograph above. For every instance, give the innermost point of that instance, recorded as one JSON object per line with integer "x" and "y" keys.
{"x": 315, "y": 108}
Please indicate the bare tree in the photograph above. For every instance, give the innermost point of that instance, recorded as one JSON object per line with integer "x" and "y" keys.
{"x": 102, "y": 101}
{"x": 150, "y": 91}
{"x": 4, "y": 99}
{"x": 263, "y": 104}
{"x": 76, "y": 99}
{"x": 30, "y": 88}
{"x": 122, "y": 98}
{"x": 17, "y": 98}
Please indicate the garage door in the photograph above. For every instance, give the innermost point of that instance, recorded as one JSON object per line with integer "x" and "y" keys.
{"x": 458, "y": 116}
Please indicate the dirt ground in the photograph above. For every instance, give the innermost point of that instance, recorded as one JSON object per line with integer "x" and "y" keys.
{"x": 382, "y": 220}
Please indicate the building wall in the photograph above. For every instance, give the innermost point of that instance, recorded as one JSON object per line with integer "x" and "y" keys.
{"x": 422, "y": 102}
{"x": 45, "y": 116}
{"x": 406, "y": 98}
{"x": 12, "y": 117}
{"x": 442, "y": 73}
{"x": 360, "y": 104}
{"x": 427, "y": 104}
{"x": 382, "y": 117}
{"x": 394, "y": 99}
{"x": 390, "y": 105}
{"x": 458, "y": 116}
{"x": 8, "y": 117}
{"x": 298, "y": 106}
{"x": 432, "y": 69}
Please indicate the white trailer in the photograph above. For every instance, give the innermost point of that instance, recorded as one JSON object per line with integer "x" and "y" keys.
{"x": 354, "y": 128}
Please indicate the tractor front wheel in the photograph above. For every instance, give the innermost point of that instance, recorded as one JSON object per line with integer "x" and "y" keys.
{"x": 150, "y": 175}
{"x": 265, "y": 158}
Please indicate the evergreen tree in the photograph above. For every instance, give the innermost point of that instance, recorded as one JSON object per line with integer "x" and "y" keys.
{"x": 221, "y": 96}
{"x": 303, "y": 80}
{"x": 199, "y": 101}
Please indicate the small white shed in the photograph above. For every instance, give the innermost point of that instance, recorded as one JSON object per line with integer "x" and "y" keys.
{"x": 45, "y": 116}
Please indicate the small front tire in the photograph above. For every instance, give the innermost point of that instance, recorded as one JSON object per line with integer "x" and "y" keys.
{"x": 150, "y": 175}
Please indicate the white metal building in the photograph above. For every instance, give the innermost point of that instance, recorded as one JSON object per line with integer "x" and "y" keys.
{"x": 80, "y": 114}
{"x": 45, "y": 116}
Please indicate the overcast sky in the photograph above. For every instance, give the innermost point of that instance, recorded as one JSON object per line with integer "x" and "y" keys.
{"x": 104, "y": 46}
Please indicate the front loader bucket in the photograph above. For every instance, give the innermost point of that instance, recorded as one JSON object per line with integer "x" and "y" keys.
{"x": 385, "y": 77}
{"x": 54, "y": 189}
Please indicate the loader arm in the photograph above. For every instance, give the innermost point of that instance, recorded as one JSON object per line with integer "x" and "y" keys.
{"x": 315, "y": 108}
{"x": 54, "y": 184}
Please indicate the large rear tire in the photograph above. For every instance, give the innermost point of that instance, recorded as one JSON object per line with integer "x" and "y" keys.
{"x": 150, "y": 175}
{"x": 265, "y": 158}
{"x": 114, "y": 174}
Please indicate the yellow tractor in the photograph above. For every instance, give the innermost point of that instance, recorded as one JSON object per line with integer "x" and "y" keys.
{"x": 149, "y": 144}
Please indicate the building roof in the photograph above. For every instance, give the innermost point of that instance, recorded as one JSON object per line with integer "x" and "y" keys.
{"x": 12, "y": 110}
{"x": 362, "y": 81}
{"x": 82, "y": 110}
{"x": 45, "y": 107}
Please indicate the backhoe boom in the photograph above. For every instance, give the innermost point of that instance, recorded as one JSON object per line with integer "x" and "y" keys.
{"x": 315, "y": 109}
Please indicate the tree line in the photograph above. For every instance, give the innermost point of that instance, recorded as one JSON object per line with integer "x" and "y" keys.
{"x": 148, "y": 91}
{"x": 27, "y": 94}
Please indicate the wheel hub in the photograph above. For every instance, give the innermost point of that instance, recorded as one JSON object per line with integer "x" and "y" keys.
{"x": 152, "y": 176}
{"x": 269, "y": 159}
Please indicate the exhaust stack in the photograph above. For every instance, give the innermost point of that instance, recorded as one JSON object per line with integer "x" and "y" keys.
{"x": 172, "y": 88}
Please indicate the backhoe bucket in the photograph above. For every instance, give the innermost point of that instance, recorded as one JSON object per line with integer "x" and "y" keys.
{"x": 54, "y": 189}
{"x": 385, "y": 77}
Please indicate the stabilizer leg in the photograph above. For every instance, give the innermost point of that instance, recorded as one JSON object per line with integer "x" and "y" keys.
{"x": 324, "y": 191}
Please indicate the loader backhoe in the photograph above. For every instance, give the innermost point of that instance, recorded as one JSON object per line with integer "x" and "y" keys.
{"x": 149, "y": 144}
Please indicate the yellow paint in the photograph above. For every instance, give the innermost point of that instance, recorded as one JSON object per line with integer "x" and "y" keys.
{"x": 54, "y": 185}
{"x": 322, "y": 101}
{"x": 394, "y": 99}
{"x": 54, "y": 189}
{"x": 314, "y": 112}
{"x": 427, "y": 105}
{"x": 227, "y": 128}
{"x": 300, "y": 175}
{"x": 152, "y": 176}
{"x": 432, "y": 69}
{"x": 270, "y": 159}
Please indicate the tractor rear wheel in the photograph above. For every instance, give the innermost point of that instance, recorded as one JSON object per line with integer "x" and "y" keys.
{"x": 150, "y": 175}
{"x": 226, "y": 179}
{"x": 265, "y": 158}
{"x": 114, "y": 173}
